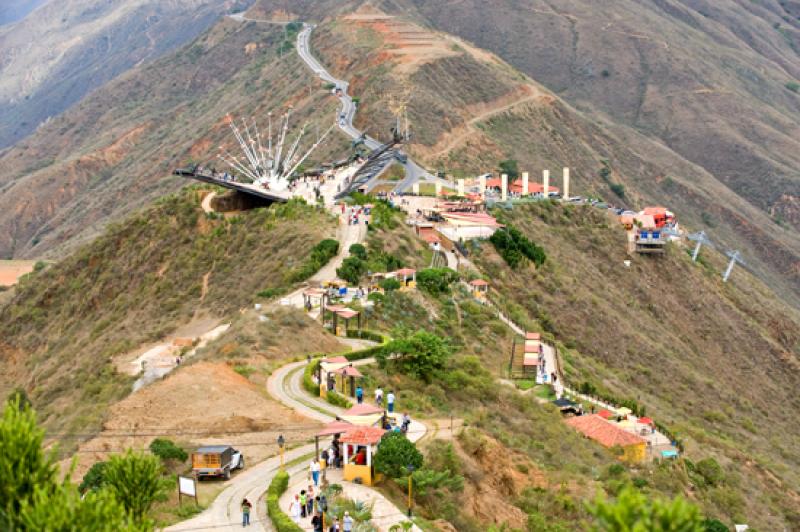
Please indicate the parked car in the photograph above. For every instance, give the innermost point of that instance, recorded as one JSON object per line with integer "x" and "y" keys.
{"x": 216, "y": 461}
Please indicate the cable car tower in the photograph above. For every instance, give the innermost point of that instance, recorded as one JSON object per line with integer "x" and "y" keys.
{"x": 701, "y": 239}
{"x": 268, "y": 160}
{"x": 735, "y": 257}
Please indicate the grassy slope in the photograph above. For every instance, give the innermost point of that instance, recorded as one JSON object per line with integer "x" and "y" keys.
{"x": 113, "y": 151}
{"x": 718, "y": 362}
{"x": 139, "y": 281}
{"x": 545, "y": 132}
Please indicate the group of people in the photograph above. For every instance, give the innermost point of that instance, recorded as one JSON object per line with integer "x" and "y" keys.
{"x": 354, "y": 215}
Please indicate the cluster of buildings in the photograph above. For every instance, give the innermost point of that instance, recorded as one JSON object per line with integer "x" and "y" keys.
{"x": 649, "y": 230}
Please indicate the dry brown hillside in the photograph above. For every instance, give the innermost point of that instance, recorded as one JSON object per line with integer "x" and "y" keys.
{"x": 114, "y": 151}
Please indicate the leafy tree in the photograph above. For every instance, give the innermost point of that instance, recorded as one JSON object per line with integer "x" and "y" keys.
{"x": 23, "y": 464}
{"x": 395, "y": 454}
{"x": 352, "y": 269}
{"x": 167, "y": 450}
{"x": 634, "y": 512}
{"x": 419, "y": 355}
{"x": 515, "y": 247}
{"x": 32, "y": 497}
{"x": 358, "y": 250}
{"x": 436, "y": 281}
{"x": 94, "y": 478}
{"x": 509, "y": 167}
{"x": 134, "y": 479}
{"x": 20, "y": 396}
{"x": 710, "y": 471}
{"x": 618, "y": 189}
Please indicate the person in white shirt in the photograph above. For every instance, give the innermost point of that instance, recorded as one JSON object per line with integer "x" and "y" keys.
{"x": 379, "y": 397}
{"x": 390, "y": 402}
{"x": 294, "y": 509}
{"x": 314, "y": 469}
{"x": 347, "y": 522}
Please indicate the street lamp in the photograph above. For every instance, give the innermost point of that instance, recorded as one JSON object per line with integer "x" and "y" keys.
{"x": 281, "y": 442}
{"x": 410, "y": 473}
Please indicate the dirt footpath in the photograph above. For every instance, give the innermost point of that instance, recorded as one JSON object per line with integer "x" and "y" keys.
{"x": 12, "y": 270}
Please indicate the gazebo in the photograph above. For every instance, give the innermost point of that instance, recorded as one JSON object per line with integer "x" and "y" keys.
{"x": 346, "y": 377}
{"x": 533, "y": 351}
{"x": 313, "y": 297}
{"x": 331, "y": 429}
{"x": 407, "y": 277}
{"x": 327, "y": 375}
{"x": 337, "y": 313}
{"x": 359, "y": 445}
{"x": 480, "y": 289}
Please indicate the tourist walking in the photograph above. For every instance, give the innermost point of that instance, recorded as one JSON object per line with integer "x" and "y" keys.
{"x": 379, "y": 397}
{"x": 294, "y": 509}
{"x": 347, "y": 523}
{"x": 303, "y": 501}
{"x": 310, "y": 500}
{"x": 335, "y": 526}
{"x": 246, "y": 512}
{"x": 360, "y": 395}
{"x": 314, "y": 470}
{"x": 390, "y": 401}
{"x": 316, "y": 522}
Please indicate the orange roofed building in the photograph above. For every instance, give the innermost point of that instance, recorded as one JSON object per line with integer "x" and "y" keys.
{"x": 610, "y": 435}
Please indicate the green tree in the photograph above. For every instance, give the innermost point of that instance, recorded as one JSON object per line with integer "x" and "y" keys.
{"x": 167, "y": 450}
{"x": 395, "y": 454}
{"x": 23, "y": 464}
{"x": 515, "y": 247}
{"x": 94, "y": 478}
{"x": 20, "y": 396}
{"x": 436, "y": 281}
{"x": 632, "y": 511}
{"x": 358, "y": 250}
{"x": 419, "y": 355}
{"x": 65, "y": 509}
{"x": 509, "y": 167}
{"x": 715, "y": 525}
{"x": 390, "y": 284}
{"x": 352, "y": 269}
{"x": 134, "y": 479}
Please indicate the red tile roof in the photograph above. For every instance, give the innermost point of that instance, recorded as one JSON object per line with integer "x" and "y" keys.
{"x": 606, "y": 414}
{"x": 335, "y": 427}
{"x": 349, "y": 371}
{"x": 479, "y": 282}
{"x": 533, "y": 187}
{"x": 347, "y": 313}
{"x": 363, "y": 436}
{"x": 335, "y": 360}
{"x": 406, "y": 271}
{"x": 533, "y": 336}
{"x": 531, "y": 347}
{"x": 363, "y": 409}
{"x": 604, "y": 432}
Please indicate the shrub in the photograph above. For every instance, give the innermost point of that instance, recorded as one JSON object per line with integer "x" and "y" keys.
{"x": 710, "y": 471}
{"x": 281, "y": 521}
{"x": 337, "y": 399}
{"x": 94, "y": 478}
{"x": 618, "y": 189}
{"x": 358, "y": 250}
{"x": 509, "y": 167}
{"x": 436, "y": 281}
{"x": 395, "y": 454}
{"x": 514, "y": 247}
{"x": 367, "y": 335}
{"x": 375, "y": 297}
{"x": 714, "y": 525}
{"x": 793, "y": 86}
{"x": 634, "y": 511}
{"x": 390, "y": 284}
{"x": 167, "y": 450}
{"x": 135, "y": 480}
{"x": 308, "y": 381}
{"x": 320, "y": 254}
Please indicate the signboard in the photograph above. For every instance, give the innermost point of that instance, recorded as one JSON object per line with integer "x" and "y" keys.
{"x": 187, "y": 486}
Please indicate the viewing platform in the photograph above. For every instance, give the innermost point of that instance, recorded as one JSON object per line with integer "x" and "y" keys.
{"x": 260, "y": 192}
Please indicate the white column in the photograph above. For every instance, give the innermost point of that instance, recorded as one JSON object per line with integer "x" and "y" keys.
{"x": 482, "y": 185}
{"x": 546, "y": 183}
{"x": 369, "y": 455}
{"x": 503, "y": 187}
{"x": 524, "y": 183}
{"x": 415, "y": 188}
{"x": 438, "y": 189}
{"x": 461, "y": 187}
{"x": 565, "y": 192}
{"x": 344, "y": 450}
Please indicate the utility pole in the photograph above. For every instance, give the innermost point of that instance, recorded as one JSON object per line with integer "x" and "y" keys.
{"x": 701, "y": 239}
{"x": 735, "y": 257}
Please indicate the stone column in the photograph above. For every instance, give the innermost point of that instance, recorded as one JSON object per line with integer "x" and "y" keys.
{"x": 503, "y": 187}
{"x": 344, "y": 454}
{"x": 438, "y": 187}
{"x": 482, "y": 185}
{"x": 565, "y": 192}
{"x": 524, "y": 183}
{"x": 546, "y": 183}
{"x": 461, "y": 187}
{"x": 415, "y": 188}
{"x": 369, "y": 455}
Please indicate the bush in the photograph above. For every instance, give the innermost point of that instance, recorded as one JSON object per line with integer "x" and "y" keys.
{"x": 167, "y": 450}
{"x": 793, "y": 86}
{"x": 320, "y": 254}
{"x": 281, "y": 521}
{"x": 390, "y": 284}
{"x": 308, "y": 381}
{"x": 395, "y": 454}
{"x": 420, "y": 355}
{"x": 436, "y": 281}
{"x": 358, "y": 250}
{"x": 634, "y": 511}
{"x": 351, "y": 270}
{"x": 94, "y": 478}
{"x": 337, "y": 399}
{"x": 514, "y": 247}
{"x": 509, "y": 167}
{"x": 367, "y": 335}
{"x": 714, "y": 525}
{"x": 135, "y": 480}
{"x": 710, "y": 471}
{"x": 375, "y": 297}
{"x": 618, "y": 189}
